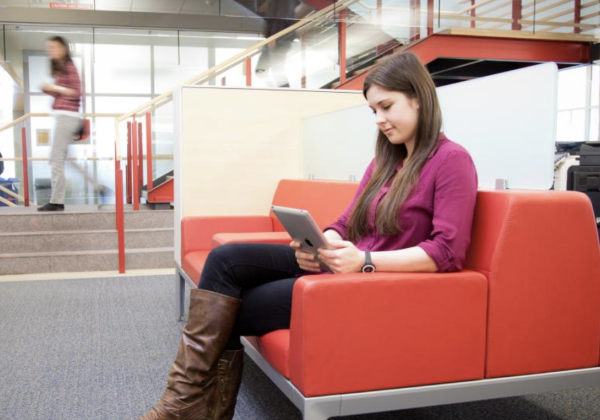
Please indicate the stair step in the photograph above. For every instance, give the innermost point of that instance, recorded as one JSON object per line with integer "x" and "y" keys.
{"x": 83, "y": 240}
{"x": 92, "y": 220}
{"x": 79, "y": 261}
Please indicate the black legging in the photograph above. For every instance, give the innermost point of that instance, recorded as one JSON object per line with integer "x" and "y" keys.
{"x": 262, "y": 276}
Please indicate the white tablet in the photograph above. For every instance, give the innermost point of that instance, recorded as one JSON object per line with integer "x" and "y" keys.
{"x": 303, "y": 229}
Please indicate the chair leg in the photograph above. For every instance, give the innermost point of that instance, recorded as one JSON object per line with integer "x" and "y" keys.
{"x": 180, "y": 296}
{"x": 322, "y": 410}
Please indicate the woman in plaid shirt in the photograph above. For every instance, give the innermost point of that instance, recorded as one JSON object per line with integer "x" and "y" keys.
{"x": 66, "y": 91}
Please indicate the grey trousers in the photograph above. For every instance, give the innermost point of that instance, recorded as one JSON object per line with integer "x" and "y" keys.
{"x": 64, "y": 129}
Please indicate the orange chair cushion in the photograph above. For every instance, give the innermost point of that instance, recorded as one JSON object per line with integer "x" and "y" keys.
{"x": 193, "y": 263}
{"x": 275, "y": 348}
{"x": 258, "y": 237}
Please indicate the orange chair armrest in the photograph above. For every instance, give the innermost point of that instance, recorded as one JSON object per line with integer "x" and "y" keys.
{"x": 253, "y": 237}
{"x": 362, "y": 332}
{"x": 197, "y": 231}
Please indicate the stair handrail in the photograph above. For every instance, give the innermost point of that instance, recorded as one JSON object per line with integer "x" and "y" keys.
{"x": 12, "y": 194}
{"x": 48, "y": 114}
{"x": 236, "y": 59}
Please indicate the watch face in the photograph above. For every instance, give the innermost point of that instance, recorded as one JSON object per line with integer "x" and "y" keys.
{"x": 368, "y": 268}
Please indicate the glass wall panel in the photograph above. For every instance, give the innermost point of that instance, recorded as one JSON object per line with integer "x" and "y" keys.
{"x": 178, "y": 57}
{"x": 572, "y": 84}
{"x": 122, "y": 69}
{"x": 595, "y": 91}
{"x": 594, "y": 124}
{"x": 163, "y": 128}
{"x": 6, "y": 116}
{"x": 571, "y": 126}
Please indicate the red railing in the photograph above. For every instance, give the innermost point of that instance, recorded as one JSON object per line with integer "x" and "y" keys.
{"x": 135, "y": 160}
{"x": 149, "y": 176}
{"x": 119, "y": 211}
{"x": 25, "y": 170}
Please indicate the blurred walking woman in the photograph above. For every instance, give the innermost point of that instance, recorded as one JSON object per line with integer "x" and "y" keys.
{"x": 66, "y": 91}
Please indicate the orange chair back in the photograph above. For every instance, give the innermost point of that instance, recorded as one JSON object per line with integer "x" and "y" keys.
{"x": 540, "y": 253}
{"x": 324, "y": 200}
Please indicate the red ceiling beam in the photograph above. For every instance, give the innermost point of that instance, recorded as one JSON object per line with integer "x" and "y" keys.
{"x": 457, "y": 46}
{"x": 485, "y": 48}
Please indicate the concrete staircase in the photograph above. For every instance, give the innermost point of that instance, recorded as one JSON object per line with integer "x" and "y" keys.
{"x": 83, "y": 239}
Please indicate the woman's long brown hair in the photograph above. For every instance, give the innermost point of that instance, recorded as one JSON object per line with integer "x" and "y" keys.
{"x": 403, "y": 73}
{"x": 59, "y": 66}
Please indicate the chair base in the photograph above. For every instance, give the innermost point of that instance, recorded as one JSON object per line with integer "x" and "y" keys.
{"x": 322, "y": 408}
{"x": 181, "y": 281}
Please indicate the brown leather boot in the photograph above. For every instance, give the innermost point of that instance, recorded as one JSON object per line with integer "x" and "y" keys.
{"x": 210, "y": 322}
{"x": 222, "y": 396}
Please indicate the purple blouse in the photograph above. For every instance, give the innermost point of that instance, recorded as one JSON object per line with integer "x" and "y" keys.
{"x": 437, "y": 215}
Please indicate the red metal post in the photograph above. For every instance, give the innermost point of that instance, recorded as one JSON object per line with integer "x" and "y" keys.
{"x": 119, "y": 213}
{"x": 517, "y": 14}
{"x": 577, "y": 16}
{"x": 134, "y": 167}
{"x": 473, "y": 14}
{"x": 430, "y": 13}
{"x": 342, "y": 44}
{"x": 25, "y": 169}
{"x": 141, "y": 157}
{"x": 248, "y": 64}
{"x": 150, "y": 180}
{"x": 128, "y": 174}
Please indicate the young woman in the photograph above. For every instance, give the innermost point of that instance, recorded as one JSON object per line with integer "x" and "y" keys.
{"x": 66, "y": 91}
{"x": 412, "y": 212}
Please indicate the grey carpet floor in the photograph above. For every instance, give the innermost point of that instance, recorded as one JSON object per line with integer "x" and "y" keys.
{"x": 100, "y": 349}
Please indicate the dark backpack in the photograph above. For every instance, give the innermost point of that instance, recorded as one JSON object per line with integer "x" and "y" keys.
{"x": 83, "y": 132}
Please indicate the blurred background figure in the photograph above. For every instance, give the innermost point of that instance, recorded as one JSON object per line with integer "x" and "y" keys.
{"x": 66, "y": 91}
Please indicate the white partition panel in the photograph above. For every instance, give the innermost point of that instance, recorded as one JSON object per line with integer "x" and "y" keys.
{"x": 232, "y": 146}
{"x": 507, "y": 122}
{"x": 340, "y": 144}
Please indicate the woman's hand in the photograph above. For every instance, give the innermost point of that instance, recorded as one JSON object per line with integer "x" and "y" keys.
{"x": 343, "y": 258}
{"x": 48, "y": 89}
{"x": 306, "y": 261}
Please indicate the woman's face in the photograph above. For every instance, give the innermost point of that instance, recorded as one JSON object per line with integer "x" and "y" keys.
{"x": 396, "y": 114}
{"x": 55, "y": 50}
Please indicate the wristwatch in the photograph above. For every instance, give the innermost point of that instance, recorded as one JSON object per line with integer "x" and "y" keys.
{"x": 369, "y": 267}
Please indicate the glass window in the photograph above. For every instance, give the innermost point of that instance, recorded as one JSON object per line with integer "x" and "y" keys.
{"x": 571, "y": 126}
{"x": 572, "y": 85}
{"x": 595, "y": 92}
{"x": 122, "y": 69}
{"x": 7, "y": 147}
{"x": 173, "y": 66}
{"x": 594, "y": 121}
{"x": 234, "y": 76}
